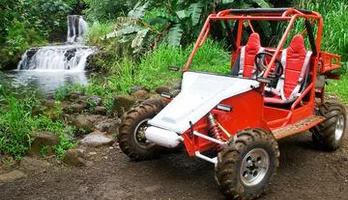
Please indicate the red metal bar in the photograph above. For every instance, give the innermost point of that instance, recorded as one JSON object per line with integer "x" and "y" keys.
{"x": 255, "y": 18}
{"x": 280, "y": 45}
{"x": 205, "y": 36}
{"x": 197, "y": 44}
{"x": 251, "y": 26}
{"x": 298, "y": 100}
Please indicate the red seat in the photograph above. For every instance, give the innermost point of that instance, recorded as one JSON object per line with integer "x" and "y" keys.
{"x": 247, "y": 56}
{"x": 295, "y": 60}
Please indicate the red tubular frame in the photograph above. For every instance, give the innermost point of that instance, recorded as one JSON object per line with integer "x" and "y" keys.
{"x": 280, "y": 117}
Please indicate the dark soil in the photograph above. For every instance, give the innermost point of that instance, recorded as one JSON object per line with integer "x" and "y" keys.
{"x": 305, "y": 172}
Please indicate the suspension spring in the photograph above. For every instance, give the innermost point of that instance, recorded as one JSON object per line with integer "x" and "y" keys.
{"x": 214, "y": 129}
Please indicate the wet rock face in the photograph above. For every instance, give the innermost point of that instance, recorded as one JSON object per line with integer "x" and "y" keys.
{"x": 70, "y": 54}
{"x": 29, "y": 54}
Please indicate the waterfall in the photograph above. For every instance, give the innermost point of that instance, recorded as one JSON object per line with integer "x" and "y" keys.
{"x": 77, "y": 28}
{"x": 72, "y": 56}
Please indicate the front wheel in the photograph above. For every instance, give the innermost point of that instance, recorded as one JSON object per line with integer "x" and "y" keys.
{"x": 247, "y": 164}
{"x": 131, "y": 138}
{"x": 330, "y": 133}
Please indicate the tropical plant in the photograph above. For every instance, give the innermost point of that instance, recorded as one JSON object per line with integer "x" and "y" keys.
{"x": 174, "y": 22}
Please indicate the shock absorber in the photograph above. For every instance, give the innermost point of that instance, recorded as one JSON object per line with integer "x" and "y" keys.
{"x": 214, "y": 129}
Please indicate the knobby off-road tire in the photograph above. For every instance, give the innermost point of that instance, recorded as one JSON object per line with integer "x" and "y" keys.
{"x": 131, "y": 138}
{"x": 330, "y": 133}
{"x": 247, "y": 164}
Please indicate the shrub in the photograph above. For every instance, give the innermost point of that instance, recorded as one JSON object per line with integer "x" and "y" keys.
{"x": 17, "y": 122}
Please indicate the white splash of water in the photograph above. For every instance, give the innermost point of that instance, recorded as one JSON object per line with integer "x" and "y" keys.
{"x": 69, "y": 57}
{"x": 72, "y": 56}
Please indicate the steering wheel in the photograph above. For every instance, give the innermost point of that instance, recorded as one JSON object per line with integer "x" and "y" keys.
{"x": 261, "y": 66}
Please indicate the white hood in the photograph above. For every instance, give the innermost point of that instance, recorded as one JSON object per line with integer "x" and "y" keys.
{"x": 199, "y": 94}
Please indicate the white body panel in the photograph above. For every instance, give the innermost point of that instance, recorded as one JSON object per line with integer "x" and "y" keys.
{"x": 199, "y": 94}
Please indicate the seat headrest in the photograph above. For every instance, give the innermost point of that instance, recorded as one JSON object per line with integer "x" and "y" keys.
{"x": 297, "y": 43}
{"x": 253, "y": 41}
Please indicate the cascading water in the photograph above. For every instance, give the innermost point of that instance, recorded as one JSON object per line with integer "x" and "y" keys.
{"x": 72, "y": 56}
{"x": 69, "y": 57}
{"x": 77, "y": 28}
{"x": 47, "y": 68}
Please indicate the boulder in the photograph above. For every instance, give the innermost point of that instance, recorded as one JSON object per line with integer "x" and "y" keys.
{"x": 113, "y": 130}
{"x": 106, "y": 125}
{"x": 122, "y": 104}
{"x": 32, "y": 164}
{"x": 73, "y": 108}
{"x": 100, "y": 110}
{"x": 43, "y": 139}
{"x": 75, "y": 95}
{"x": 12, "y": 176}
{"x": 138, "y": 87}
{"x": 75, "y": 157}
{"x": 96, "y": 139}
{"x": 162, "y": 89}
{"x": 141, "y": 95}
{"x": 85, "y": 122}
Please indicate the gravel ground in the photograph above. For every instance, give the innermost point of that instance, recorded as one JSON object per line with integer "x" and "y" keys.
{"x": 305, "y": 172}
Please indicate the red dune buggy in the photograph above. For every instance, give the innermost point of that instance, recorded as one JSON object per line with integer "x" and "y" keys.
{"x": 270, "y": 93}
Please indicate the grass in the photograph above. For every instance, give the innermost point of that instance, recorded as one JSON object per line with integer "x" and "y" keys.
{"x": 339, "y": 87}
{"x": 151, "y": 70}
{"x": 18, "y": 121}
{"x": 97, "y": 31}
{"x": 334, "y": 13}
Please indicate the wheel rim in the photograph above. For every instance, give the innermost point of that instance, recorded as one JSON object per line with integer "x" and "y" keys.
{"x": 139, "y": 135}
{"x": 339, "y": 127}
{"x": 255, "y": 165}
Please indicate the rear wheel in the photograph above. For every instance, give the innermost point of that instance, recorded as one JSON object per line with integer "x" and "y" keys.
{"x": 330, "y": 133}
{"x": 131, "y": 138}
{"x": 247, "y": 164}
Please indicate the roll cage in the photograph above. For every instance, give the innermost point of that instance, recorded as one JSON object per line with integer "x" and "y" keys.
{"x": 320, "y": 62}
{"x": 263, "y": 14}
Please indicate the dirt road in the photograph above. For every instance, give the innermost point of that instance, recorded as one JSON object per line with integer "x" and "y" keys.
{"x": 304, "y": 173}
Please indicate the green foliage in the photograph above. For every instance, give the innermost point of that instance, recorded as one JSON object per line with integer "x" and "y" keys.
{"x": 339, "y": 88}
{"x": 175, "y": 22}
{"x": 106, "y": 10}
{"x": 97, "y": 32}
{"x": 334, "y": 13}
{"x": 17, "y": 122}
{"x": 28, "y": 23}
{"x": 125, "y": 72}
